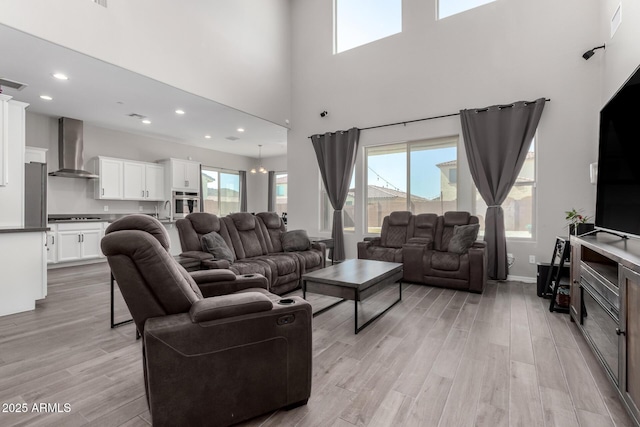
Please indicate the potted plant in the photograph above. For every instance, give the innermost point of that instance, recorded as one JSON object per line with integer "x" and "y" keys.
{"x": 578, "y": 223}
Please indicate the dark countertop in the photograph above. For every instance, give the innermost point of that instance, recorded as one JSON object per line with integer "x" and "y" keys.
{"x": 10, "y": 229}
{"x": 73, "y": 218}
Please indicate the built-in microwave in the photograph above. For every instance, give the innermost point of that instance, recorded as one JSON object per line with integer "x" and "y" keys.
{"x": 185, "y": 203}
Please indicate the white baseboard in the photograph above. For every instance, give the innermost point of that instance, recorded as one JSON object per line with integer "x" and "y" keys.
{"x": 524, "y": 279}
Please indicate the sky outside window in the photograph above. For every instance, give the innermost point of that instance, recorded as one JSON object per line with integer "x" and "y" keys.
{"x": 360, "y": 22}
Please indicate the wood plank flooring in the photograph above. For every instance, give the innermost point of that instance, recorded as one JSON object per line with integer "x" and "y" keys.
{"x": 438, "y": 358}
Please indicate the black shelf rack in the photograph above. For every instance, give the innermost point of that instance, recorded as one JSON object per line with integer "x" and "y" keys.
{"x": 557, "y": 277}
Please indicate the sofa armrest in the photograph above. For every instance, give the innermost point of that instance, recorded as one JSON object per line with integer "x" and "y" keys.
{"x": 364, "y": 246}
{"x": 477, "y": 268}
{"x": 208, "y": 276}
{"x": 213, "y": 264}
{"x": 197, "y": 255}
{"x": 229, "y": 306}
{"x": 428, "y": 242}
{"x": 479, "y": 244}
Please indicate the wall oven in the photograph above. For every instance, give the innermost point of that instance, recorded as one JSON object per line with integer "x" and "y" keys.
{"x": 185, "y": 203}
{"x": 600, "y": 319}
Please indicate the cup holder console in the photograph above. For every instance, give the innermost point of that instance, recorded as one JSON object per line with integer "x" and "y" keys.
{"x": 286, "y": 301}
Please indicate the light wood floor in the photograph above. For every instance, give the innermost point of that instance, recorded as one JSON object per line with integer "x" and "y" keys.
{"x": 439, "y": 357}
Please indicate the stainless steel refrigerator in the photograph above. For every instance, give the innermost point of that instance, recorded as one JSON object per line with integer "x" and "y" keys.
{"x": 35, "y": 194}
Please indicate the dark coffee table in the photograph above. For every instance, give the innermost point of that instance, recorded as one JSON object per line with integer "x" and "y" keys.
{"x": 354, "y": 280}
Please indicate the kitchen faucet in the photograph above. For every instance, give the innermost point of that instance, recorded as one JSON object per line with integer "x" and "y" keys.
{"x": 170, "y": 210}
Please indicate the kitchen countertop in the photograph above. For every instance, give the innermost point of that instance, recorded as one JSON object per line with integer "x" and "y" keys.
{"x": 10, "y": 229}
{"x": 74, "y": 218}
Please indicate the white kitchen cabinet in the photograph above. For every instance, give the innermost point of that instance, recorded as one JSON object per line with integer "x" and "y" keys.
{"x": 139, "y": 180}
{"x": 154, "y": 182}
{"x": 134, "y": 182}
{"x": 79, "y": 241}
{"x": 110, "y": 185}
{"x": 4, "y": 139}
{"x": 184, "y": 175}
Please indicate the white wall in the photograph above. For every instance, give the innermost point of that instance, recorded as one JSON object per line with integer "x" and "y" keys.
{"x": 258, "y": 184}
{"x": 235, "y": 52}
{"x": 622, "y": 54}
{"x": 498, "y": 53}
{"x": 75, "y": 196}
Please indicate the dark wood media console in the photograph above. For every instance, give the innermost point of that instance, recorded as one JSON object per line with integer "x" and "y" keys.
{"x": 605, "y": 304}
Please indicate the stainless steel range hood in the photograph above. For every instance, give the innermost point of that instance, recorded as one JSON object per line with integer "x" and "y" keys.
{"x": 70, "y": 149}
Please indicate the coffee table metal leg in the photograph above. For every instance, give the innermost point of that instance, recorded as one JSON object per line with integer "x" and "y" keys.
{"x": 304, "y": 296}
{"x": 358, "y": 329}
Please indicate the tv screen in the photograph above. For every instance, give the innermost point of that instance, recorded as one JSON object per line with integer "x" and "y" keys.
{"x": 618, "y": 185}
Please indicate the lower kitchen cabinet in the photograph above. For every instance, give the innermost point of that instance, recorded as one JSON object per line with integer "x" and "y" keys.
{"x": 77, "y": 241}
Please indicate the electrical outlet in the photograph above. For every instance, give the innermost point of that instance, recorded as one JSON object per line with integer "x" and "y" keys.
{"x": 532, "y": 259}
{"x": 106, "y": 208}
{"x": 140, "y": 208}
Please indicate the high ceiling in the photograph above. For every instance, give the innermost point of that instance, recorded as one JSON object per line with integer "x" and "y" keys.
{"x": 106, "y": 95}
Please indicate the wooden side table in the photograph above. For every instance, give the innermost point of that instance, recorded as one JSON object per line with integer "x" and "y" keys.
{"x": 328, "y": 243}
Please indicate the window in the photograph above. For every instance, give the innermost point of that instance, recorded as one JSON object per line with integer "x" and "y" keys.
{"x": 348, "y": 211}
{"x": 220, "y": 191}
{"x": 281, "y": 192}
{"x": 359, "y": 22}
{"x": 414, "y": 176}
{"x": 519, "y": 205}
{"x": 452, "y": 7}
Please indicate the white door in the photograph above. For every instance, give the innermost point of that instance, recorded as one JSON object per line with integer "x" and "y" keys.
{"x": 111, "y": 175}
{"x": 69, "y": 245}
{"x": 134, "y": 183}
{"x": 90, "y": 240}
{"x": 154, "y": 182}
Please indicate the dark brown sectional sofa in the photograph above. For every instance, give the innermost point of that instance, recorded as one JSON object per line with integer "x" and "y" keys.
{"x": 256, "y": 244}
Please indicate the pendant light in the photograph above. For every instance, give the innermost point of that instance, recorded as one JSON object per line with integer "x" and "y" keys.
{"x": 261, "y": 168}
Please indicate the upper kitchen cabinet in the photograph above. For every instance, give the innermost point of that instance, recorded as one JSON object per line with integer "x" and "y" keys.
{"x": 143, "y": 181}
{"x": 12, "y": 148}
{"x": 4, "y": 138}
{"x": 109, "y": 185}
{"x": 183, "y": 175}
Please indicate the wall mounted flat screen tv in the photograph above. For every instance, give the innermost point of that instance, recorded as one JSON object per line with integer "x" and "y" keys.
{"x": 618, "y": 185}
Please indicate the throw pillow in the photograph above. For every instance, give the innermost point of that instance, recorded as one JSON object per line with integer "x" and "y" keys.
{"x": 216, "y": 246}
{"x": 295, "y": 240}
{"x": 463, "y": 238}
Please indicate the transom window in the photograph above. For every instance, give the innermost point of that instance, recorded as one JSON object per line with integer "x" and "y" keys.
{"x": 220, "y": 191}
{"x": 453, "y": 7}
{"x": 419, "y": 176}
{"x": 358, "y": 22}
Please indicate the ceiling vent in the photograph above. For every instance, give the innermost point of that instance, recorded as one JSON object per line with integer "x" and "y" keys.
{"x": 12, "y": 84}
{"x": 136, "y": 116}
{"x": 232, "y": 138}
{"x": 102, "y": 3}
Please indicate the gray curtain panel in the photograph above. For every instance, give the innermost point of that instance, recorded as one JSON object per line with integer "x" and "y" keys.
{"x": 271, "y": 203}
{"x": 497, "y": 140}
{"x": 243, "y": 190}
{"x": 336, "y": 154}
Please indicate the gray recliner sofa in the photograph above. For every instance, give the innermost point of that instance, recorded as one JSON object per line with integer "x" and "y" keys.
{"x": 254, "y": 241}
{"x": 207, "y": 361}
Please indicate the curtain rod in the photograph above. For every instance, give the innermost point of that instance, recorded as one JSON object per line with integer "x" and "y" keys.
{"x": 437, "y": 117}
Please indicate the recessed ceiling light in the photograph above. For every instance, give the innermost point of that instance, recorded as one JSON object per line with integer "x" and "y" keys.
{"x": 208, "y": 136}
{"x": 240, "y": 130}
{"x": 181, "y": 112}
{"x": 60, "y": 76}
{"x": 146, "y": 121}
{"x": 46, "y": 97}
